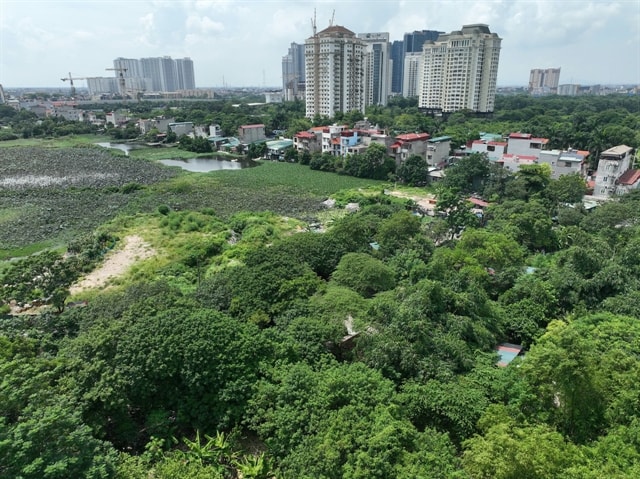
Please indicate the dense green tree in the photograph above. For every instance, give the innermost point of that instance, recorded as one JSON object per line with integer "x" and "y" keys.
{"x": 414, "y": 171}
{"x": 364, "y": 274}
{"x": 468, "y": 174}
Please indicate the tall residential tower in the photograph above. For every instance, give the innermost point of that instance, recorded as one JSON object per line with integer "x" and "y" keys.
{"x": 293, "y": 78}
{"x": 378, "y": 64}
{"x": 460, "y": 71}
{"x": 544, "y": 81}
{"x": 334, "y": 72}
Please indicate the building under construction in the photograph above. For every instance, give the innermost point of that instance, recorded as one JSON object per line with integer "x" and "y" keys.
{"x": 334, "y": 72}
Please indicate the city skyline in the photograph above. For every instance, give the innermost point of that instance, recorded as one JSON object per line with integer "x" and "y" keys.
{"x": 241, "y": 43}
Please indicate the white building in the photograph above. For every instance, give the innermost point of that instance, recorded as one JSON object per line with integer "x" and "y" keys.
{"x": 334, "y": 72}
{"x": 565, "y": 162}
{"x": 460, "y": 70}
{"x": 525, "y": 144}
{"x": 377, "y": 71}
{"x": 411, "y": 74}
{"x": 438, "y": 150}
{"x": 492, "y": 148}
{"x": 544, "y": 81}
{"x": 613, "y": 163}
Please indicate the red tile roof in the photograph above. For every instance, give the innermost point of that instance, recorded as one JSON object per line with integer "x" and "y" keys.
{"x": 520, "y": 136}
{"x": 305, "y": 134}
{"x": 629, "y": 177}
{"x": 413, "y": 137}
{"x": 478, "y": 202}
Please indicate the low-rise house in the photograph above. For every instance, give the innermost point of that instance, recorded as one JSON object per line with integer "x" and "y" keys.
{"x": 276, "y": 149}
{"x": 409, "y": 144}
{"x": 513, "y": 162}
{"x": 525, "y": 144}
{"x": 181, "y": 128}
{"x": 307, "y": 141}
{"x": 630, "y": 180}
{"x": 251, "y": 133}
{"x": 565, "y": 162}
{"x": 438, "y": 151}
{"x": 492, "y": 148}
{"x": 612, "y": 165}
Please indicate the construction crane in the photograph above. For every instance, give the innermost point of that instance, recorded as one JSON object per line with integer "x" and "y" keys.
{"x": 70, "y": 80}
{"x": 121, "y": 72}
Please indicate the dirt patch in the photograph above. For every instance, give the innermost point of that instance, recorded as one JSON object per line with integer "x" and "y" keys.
{"x": 115, "y": 264}
{"x": 427, "y": 202}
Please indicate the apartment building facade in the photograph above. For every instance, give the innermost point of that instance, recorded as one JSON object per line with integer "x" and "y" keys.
{"x": 334, "y": 71}
{"x": 460, "y": 71}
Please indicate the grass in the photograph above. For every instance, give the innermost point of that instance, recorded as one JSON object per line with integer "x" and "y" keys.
{"x": 291, "y": 175}
{"x": 51, "y": 216}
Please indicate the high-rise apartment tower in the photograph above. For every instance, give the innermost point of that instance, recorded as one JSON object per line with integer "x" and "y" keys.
{"x": 544, "y": 81}
{"x": 460, "y": 71}
{"x": 334, "y": 72}
{"x": 377, "y": 76}
{"x": 293, "y": 78}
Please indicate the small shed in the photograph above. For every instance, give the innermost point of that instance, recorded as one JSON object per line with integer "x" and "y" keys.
{"x": 507, "y": 352}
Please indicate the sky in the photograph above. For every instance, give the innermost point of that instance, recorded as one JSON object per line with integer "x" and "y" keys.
{"x": 241, "y": 43}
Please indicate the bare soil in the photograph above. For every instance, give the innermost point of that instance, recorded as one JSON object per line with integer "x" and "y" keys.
{"x": 116, "y": 264}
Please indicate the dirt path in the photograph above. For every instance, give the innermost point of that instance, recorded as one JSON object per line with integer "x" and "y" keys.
{"x": 115, "y": 264}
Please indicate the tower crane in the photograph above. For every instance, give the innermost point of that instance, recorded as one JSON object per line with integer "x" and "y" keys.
{"x": 70, "y": 79}
{"x": 121, "y": 72}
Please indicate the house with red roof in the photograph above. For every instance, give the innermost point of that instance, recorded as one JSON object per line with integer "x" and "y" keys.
{"x": 307, "y": 141}
{"x": 409, "y": 144}
{"x": 630, "y": 180}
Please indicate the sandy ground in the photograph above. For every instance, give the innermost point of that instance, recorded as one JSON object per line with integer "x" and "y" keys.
{"x": 426, "y": 202}
{"x": 115, "y": 264}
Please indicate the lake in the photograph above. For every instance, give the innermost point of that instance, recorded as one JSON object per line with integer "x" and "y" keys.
{"x": 206, "y": 164}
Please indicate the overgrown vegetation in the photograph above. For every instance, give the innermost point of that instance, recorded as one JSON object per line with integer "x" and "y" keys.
{"x": 254, "y": 346}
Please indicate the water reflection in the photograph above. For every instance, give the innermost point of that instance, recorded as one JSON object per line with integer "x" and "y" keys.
{"x": 118, "y": 146}
{"x": 206, "y": 164}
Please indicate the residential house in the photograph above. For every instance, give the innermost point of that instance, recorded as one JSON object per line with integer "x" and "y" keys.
{"x": 181, "y": 128}
{"x": 526, "y": 144}
{"x": 409, "y": 144}
{"x": 565, "y": 162}
{"x": 251, "y": 133}
{"x": 276, "y": 149}
{"x": 612, "y": 165}
{"x": 492, "y": 148}
{"x": 630, "y": 180}
{"x": 438, "y": 150}
{"x": 513, "y": 162}
{"x": 307, "y": 141}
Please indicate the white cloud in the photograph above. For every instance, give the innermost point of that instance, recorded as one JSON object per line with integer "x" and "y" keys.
{"x": 41, "y": 40}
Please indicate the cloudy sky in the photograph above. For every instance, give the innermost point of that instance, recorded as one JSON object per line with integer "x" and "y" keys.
{"x": 243, "y": 41}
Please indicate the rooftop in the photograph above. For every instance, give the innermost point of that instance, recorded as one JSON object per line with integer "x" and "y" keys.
{"x": 413, "y": 136}
{"x": 629, "y": 177}
{"x": 617, "y": 150}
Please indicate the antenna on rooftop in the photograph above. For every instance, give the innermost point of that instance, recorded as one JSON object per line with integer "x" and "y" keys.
{"x": 313, "y": 22}
{"x": 333, "y": 16}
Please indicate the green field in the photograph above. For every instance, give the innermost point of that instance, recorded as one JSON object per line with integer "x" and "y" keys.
{"x": 52, "y": 215}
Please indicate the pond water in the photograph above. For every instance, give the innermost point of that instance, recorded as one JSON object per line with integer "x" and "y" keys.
{"x": 118, "y": 146}
{"x": 206, "y": 164}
